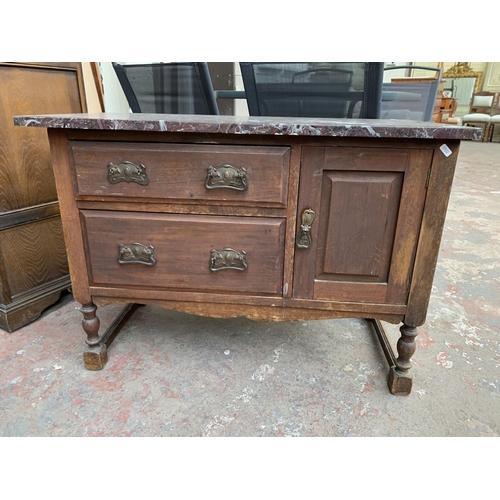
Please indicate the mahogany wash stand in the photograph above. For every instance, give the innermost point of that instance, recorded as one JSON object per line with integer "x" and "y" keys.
{"x": 274, "y": 219}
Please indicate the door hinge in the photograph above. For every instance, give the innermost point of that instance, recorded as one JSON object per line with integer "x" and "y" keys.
{"x": 428, "y": 178}
{"x": 408, "y": 283}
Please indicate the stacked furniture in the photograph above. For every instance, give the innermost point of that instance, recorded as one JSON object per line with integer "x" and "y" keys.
{"x": 447, "y": 108}
{"x": 33, "y": 263}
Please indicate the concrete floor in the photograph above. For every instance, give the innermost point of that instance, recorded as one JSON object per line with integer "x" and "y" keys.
{"x": 171, "y": 374}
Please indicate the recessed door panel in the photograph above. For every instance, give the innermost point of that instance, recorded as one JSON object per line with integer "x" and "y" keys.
{"x": 357, "y": 224}
{"x": 367, "y": 205}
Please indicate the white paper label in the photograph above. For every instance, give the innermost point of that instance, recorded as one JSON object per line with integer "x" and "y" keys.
{"x": 445, "y": 150}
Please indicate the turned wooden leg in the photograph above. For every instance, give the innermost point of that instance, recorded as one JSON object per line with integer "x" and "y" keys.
{"x": 400, "y": 376}
{"x": 95, "y": 355}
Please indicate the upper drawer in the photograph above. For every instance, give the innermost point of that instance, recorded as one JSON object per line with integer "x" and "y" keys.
{"x": 253, "y": 176}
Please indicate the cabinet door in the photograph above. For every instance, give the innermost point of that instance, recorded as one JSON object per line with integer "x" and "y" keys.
{"x": 367, "y": 205}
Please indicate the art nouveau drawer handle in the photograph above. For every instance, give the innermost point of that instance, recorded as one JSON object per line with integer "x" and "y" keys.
{"x": 126, "y": 171}
{"x": 227, "y": 176}
{"x": 135, "y": 253}
{"x": 304, "y": 237}
{"x": 228, "y": 259}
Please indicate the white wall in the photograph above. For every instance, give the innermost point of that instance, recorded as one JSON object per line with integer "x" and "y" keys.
{"x": 397, "y": 73}
{"x": 93, "y": 104}
{"x": 240, "y": 105}
{"x": 114, "y": 98}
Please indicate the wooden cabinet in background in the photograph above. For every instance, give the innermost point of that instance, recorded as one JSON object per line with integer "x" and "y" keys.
{"x": 33, "y": 263}
{"x": 448, "y": 106}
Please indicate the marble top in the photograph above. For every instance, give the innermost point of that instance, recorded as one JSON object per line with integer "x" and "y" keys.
{"x": 263, "y": 125}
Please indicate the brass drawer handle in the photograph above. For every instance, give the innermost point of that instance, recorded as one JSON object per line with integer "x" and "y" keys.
{"x": 135, "y": 253}
{"x": 126, "y": 171}
{"x": 226, "y": 176}
{"x": 304, "y": 237}
{"x": 228, "y": 259}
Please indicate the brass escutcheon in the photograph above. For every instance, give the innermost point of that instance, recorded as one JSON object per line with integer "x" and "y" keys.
{"x": 304, "y": 237}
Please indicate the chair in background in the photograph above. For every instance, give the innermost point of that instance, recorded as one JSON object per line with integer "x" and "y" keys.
{"x": 482, "y": 105}
{"x": 420, "y": 109}
{"x": 314, "y": 90}
{"x": 495, "y": 119}
{"x": 172, "y": 88}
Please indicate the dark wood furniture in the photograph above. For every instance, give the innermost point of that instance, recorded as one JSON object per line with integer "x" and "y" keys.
{"x": 33, "y": 264}
{"x": 275, "y": 219}
{"x": 447, "y": 108}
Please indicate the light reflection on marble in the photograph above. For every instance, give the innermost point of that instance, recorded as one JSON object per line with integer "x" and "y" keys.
{"x": 262, "y": 125}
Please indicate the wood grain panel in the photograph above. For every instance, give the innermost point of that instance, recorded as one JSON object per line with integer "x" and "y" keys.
{"x": 107, "y": 295}
{"x": 26, "y": 176}
{"x": 408, "y": 224}
{"x": 366, "y": 159}
{"x": 358, "y": 215}
{"x": 33, "y": 265}
{"x": 35, "y": 253}
{"x": 183, "y": 208}
{"x": 258, "y": 313}
{"x": 311, "y": 174}
{"x": 346, "y": 291}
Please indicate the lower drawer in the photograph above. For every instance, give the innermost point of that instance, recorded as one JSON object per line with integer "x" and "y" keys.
{"x": 192, "y": 252}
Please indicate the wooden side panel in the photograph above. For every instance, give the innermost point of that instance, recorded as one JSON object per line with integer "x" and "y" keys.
{"x": 70, "y": 217}
{"x": 429, "y": 239}
{"x": 408, "y": 224}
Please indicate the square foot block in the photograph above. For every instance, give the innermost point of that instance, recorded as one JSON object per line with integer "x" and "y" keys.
{"x": 399, "y": 384}
{"x": 96, "y": 357}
